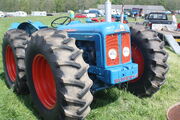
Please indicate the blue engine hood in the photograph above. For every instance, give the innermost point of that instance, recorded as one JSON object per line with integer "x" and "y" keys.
{"x": 103, "y": 27}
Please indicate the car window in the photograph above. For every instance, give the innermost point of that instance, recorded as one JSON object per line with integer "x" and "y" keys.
{"x": 158, "y": 16}
{"x": 93, "y": 11}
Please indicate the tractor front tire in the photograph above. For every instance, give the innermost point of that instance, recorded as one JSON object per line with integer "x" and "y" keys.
{"x": 57, "y": 76}
{"x": 148, "y": 52}
{"x": 13, "y": 51}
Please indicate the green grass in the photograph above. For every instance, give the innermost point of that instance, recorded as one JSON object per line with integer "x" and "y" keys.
{"x": 110, "y": 104}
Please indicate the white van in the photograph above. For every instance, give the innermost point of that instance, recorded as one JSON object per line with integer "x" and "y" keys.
{"x": 38, "y": 13}
{"x": 21, "y": 14}
{"x": 2, "y": 14}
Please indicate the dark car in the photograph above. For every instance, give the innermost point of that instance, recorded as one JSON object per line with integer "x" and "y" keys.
{"x": 156, "y": 18}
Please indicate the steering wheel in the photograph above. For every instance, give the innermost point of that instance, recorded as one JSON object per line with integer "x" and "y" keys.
{"x": 58, "y": 21}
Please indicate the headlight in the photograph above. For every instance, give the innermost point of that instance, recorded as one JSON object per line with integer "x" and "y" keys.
{"x": 112, "y": 54}
{"x": 126, "y": 51}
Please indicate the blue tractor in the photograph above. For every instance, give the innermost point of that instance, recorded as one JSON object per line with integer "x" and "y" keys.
{"x": 63, "y": 65}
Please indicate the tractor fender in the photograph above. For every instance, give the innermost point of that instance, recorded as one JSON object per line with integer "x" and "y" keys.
{"x": 29, "y": 27}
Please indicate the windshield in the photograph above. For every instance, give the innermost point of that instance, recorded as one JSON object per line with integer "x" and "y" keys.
{"x": 158, "y": 16}
{"x": 94, "y": 11}
{"x": 135, "y": 10}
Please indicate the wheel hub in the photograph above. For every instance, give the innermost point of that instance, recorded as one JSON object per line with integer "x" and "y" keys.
{"x": 44, "y": 82}
{"x": 138, "y": 58}
{"x": 10, "y": 63}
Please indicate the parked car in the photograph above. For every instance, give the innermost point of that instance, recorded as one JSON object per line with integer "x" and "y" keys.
{"x": 113, "y": 12}
{"x": 50, "y": 14}
{"x": 38, "y": 13}
{"x": 127, "y": 12}
{"x": 91, "y": 15}
{"x": 134, "y": 12}
{"x": 137, "y": 12}
{"x": 2, "y": 14}
{"x": 168, "y": 12}
{"x": 10, "y": 14}
{"x": 86, "y": 11}
{"x": 117, "y": 18}
{"x": 97, "y": 12}
{"x": 21, "y": 14}
{"x": 79, "y": 15}
{"x": 157, "y": 21}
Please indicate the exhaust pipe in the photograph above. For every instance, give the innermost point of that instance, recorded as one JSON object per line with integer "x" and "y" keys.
{"x": 108, "y": 11}
{"x": 122, "y": 14}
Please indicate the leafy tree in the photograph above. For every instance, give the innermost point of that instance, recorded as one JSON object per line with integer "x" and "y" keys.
{"x": 59, "y": 5}
{"x": 64, "y": 5}
{"x": 23, "y": 5}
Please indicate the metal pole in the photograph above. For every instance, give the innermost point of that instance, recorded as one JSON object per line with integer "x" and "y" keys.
{"x": 108, "y": 11}
{"x": 122, "y": 14}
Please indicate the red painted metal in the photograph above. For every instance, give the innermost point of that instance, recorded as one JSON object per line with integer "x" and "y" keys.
{"x": 103, "y": 20}
{"x": 44, "y": 82}
{"x": 178, "y": 26}
{"x": 126, "y": 43}
{"x": 125, "y": 21}
{"x": 112, "y": 43}
{"x": 95, "y": 19}
{"x": 80, "y": 16}
{"x": 10, "y": 63}
{"x": 138, "y": 58}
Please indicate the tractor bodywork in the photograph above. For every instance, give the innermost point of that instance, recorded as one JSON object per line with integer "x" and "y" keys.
{"x": 106, "y": 46}
{"x": 62, "y": 66}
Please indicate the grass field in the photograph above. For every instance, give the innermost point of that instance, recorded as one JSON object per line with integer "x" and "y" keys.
{"x": 110, "y": 104}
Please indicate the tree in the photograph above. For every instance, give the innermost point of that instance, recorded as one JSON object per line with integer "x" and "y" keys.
{"x": 23, "y": 5}
{"x": 64, "y": 5}
{"x": 59, "y": 5}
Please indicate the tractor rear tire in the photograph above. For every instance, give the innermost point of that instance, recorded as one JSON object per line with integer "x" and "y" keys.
{"x": 13, "y": 51}
{"x": 148, "y": 52}
{"x": 57, "y": 76}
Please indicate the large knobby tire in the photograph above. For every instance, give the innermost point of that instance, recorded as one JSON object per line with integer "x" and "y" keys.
{"x": 13, "y": 51}
{"x": 148, "y": 52}
{"x": 57, "y": 76}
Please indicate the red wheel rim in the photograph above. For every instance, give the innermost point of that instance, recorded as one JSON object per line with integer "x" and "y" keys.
{"x": 44, "y": 82}
{"x": 10, "y": 63}
{"x": 138, "y": 58}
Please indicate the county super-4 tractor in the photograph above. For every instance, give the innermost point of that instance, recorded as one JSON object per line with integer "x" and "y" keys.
{"x": 62, "y": 66}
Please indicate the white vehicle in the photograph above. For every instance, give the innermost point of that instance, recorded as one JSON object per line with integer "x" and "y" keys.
{"x": 10, "y": 14}
{"x": 118, "y": 12}
{"x": 86, "y": 11}
{"x": 91, "y": 15}
{"x": 97, "y": 12}
{"x": 38, "y": 13}
{"x": 2, "y": 14}
{"x": 159, "y": 21}
{"x": 21, "y": 14}
{"x": 113, "y": 12}
{"x": 102, "y": 12}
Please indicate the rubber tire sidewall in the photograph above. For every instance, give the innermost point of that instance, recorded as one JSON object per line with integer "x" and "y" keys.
{"x": 146, "y": 75}
{"x": 52, "y": 114}
{"x": 8, "y": 80}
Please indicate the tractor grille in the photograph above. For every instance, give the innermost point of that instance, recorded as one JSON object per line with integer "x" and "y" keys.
{"x": 126, "y": 50}
{"x": 112, "y": 45}
{"x": 115, "y": 54}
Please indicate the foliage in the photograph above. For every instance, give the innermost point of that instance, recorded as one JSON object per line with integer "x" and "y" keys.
{"x": 64, "y": 5}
